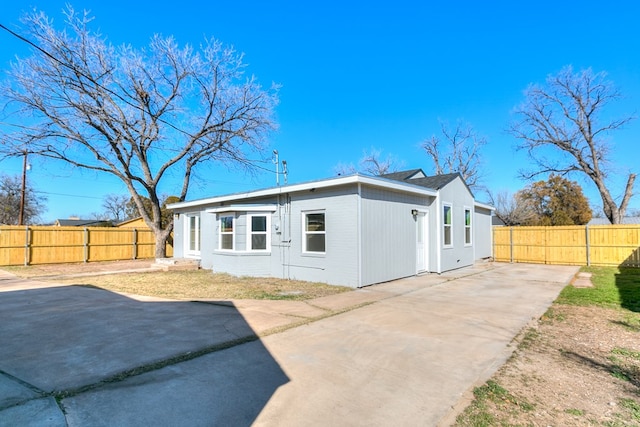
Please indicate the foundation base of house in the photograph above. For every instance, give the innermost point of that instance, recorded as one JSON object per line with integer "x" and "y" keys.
{"x": 173, "y": 264}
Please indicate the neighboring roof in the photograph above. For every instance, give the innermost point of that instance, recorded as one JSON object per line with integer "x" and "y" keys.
{"x": 388, "y": 184}
{"x": 605, "y": 221}
{"x": 132, "y": 223}
{"x": 497, "y": 221}
{"x": 80, "y": 222}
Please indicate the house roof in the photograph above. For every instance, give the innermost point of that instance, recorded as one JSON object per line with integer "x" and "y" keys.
{"x": 405, "y": 175}
{"x": 627, "y": 220}
{"x": 412, "y": 181}
{"x": 418, "y": 177}
{"x": 80, "y": 222}
{"x": 381, "y": 182}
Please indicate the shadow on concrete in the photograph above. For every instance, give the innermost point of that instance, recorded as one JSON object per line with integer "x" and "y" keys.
{"x": 628, "y": 282}
{"x": 104, "y": 356}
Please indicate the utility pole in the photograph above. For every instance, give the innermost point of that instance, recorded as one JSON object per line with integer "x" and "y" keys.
{"x": 23, "y": 191}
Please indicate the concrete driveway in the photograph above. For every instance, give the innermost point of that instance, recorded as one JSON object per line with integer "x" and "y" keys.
{"x": 407, "y": 352}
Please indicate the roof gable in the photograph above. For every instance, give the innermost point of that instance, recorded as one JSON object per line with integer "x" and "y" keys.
{"x": 417, "y": 177}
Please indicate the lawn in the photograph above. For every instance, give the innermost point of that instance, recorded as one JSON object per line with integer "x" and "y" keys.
{"x": 613, "y": 288}
{"x": 579, "y": 365}
{"x": 191, "y": 284}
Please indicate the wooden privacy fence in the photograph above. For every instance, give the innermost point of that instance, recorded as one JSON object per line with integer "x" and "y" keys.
{"x": 20, "y": 245}
{"x": 598, "y": 245}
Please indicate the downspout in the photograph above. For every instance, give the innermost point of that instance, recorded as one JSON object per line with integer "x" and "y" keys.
{"x": 359, "y": 231}
{"x": 439, "y": 228}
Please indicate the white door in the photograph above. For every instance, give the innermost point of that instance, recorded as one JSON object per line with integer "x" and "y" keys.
{"x": 422, "y": 252}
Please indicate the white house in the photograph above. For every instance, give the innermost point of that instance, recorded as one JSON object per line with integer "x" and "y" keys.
{"x": 350, "y": 230}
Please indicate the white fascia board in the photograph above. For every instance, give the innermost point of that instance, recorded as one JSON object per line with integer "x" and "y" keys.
{"x": 484, "y": 206}
{"x": 327, "y": 183}
{"x": 243, "y": 208}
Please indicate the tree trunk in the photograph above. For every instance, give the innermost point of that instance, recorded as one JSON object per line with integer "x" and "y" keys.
{"x": 161, "y": 244}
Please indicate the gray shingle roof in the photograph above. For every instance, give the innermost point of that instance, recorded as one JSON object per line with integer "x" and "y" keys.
{"x": 435, "y": 182}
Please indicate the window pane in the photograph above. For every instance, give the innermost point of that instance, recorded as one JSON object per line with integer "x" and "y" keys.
{"x": 467, "y": 217}
{"x": 226, "y": 224}
{"x": 315, "y": 222}
{"x": 259, "y": 242}
{"x": 315, "y": 242}
{"x": 467, "y": 235}
{"x": 447, "y": 235}
{"x": 258, "y": 223}
{"x": 447, "y": 214}
{"x": 193, "y": 233}
{"x": 226, "y": 241}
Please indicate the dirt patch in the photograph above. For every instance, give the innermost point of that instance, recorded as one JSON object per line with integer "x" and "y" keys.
{"x": 578, "y": 366}
{"x": 79, "y": 268}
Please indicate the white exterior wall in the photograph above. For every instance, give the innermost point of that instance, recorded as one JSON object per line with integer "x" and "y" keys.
{"x": 370, "y": 233}
{"x": 458, "y": 255}
{"x": 339, "y": 264}
{"x": 482, "y": 233}
{"x": 389, "y": 234}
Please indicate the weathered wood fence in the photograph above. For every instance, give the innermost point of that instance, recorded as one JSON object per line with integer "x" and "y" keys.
{"x": 598, "y": 245}
{"x": 26, "y": 245}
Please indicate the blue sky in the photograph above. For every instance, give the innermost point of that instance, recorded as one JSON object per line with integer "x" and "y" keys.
{"x": 364, "y": 75}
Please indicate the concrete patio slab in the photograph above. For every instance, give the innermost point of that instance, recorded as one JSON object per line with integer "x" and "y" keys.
{"x": 407, "y": 352}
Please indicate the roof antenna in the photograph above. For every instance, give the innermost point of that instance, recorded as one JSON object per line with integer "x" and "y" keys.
{"x": 276, "y": 161}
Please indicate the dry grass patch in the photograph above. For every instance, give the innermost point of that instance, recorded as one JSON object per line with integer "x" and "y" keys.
{"x": 200, "y": 285}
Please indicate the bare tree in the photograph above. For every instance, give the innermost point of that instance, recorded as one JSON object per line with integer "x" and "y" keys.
{"x": 458, "y": 152}
{"x": 563, "y": 119}
{"x": 142, "y": 115}
{"x": 115, "y": 206}
{"x": 371, "y": 163}
{"x": 512, "y": 209}
{"x": 10, "y": 195}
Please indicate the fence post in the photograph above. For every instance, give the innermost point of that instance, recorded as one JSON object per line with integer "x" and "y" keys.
{"x": 86, "y": 245}
{"x": 26, "y": 246}
{"x": 511, "y": 243}
{"x": 135, "y": 243}
{"x": 586, "y": 231}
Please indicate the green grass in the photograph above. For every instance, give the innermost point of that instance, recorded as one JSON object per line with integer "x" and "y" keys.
{"x": 632, "y": 406}
{"x": 613, "y": 288}
{"x": 478, "y": 414}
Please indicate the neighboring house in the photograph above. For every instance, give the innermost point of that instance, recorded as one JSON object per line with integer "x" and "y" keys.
{"x": 76, "y": 222}
{"x": 627, "y": 220}
{"x": 351, "y": 230}
{"x": 133, "y": 223}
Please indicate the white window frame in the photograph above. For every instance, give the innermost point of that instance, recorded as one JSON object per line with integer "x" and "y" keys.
{"x": 225, "y": 233}
{"x": 251, "y": 233}
{"x": 187, "y": 235}
{"x": 468, "y": 227}
{"x": 445, "y": 225}
{"x": 305, "y": 232}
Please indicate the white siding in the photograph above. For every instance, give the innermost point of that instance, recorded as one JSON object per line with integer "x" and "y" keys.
{"x": 458, "y": 255}
{"x": 388, "y": 234}
{"x": 482, "y": 234}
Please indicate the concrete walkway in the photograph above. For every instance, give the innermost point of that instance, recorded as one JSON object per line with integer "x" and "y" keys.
{"x": 407, "y": 352}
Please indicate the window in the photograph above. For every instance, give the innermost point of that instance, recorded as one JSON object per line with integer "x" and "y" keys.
{"x": 448, "y": 241}
{"x": 192, "y": 234}
{"x": 314, "y": 232}
{"x": 226, "y": 232}
{"x": 258, "y": 233}
{"x": 467, "y": 226}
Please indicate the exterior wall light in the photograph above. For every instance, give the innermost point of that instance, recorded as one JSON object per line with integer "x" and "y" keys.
{"x": 414, "y": 212}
